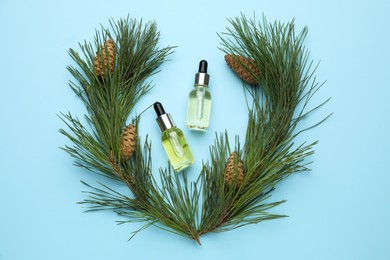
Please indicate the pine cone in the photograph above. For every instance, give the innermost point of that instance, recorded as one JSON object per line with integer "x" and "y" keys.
{"x": 242, "y": 71}
{"x": 234, "y": 171}
{"x": 101, "y": 58}
{"x": 128, "y": 142}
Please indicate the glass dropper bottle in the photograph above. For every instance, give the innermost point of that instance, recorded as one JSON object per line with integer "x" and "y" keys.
{"x": 199, "y": 100}
{"x": 173, "y": 140}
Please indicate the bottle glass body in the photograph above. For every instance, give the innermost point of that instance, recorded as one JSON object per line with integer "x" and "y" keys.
{"x": 199, "y": 108}
{"x": 177, "y": 148}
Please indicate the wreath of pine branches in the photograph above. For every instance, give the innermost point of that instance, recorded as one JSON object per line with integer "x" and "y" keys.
{"x": 112, "y": 75}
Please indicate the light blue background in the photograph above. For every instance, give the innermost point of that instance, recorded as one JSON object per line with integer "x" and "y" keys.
{"x": 338, "y": 211}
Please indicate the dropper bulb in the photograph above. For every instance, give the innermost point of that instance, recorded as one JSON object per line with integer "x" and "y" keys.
{"x": 158, "y": 107}
{"x": 203, "y": 66}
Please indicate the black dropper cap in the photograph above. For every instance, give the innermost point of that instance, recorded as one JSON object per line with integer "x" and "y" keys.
{"x": 164, "y": 120}
{"x": 202, "y": 78}
{"x": 202, "y": 66}
{"x": 158, "y": 107}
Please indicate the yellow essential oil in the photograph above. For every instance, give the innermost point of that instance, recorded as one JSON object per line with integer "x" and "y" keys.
{"x": 177, "y": 148}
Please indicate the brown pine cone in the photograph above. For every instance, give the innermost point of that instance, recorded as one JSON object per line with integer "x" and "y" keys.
{"x": 234, "y": 171}
{"x": 242, "y": 71}
{"x": 101, "y": 58}
{"x": 128, "y": 142}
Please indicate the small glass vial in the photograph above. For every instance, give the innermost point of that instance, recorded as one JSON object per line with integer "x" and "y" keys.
{"x": 173, "y": 140}
{"x": 199, "y": 101}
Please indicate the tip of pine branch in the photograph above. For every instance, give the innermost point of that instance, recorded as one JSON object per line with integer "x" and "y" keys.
{"x": 198, "y": 241}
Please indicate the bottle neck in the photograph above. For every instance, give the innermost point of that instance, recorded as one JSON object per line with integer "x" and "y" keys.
{"x": 165, "y": 122}
{"x": 200, "y": 86}
{"x": 202, "y": 79}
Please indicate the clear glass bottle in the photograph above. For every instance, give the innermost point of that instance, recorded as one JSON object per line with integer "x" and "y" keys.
{"x": 173, "y": 140}
{"x": 199, "y": 101}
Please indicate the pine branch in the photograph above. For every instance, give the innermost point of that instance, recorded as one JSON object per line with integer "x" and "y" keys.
{"x": 109, "y": 100}
{"x": 277, "y": 103}
{"x": 268, "y": 154}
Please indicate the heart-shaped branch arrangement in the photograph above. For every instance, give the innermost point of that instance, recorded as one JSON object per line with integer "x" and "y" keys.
{"x": 235, "y": 185}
